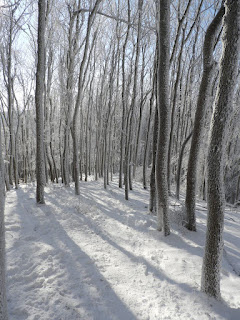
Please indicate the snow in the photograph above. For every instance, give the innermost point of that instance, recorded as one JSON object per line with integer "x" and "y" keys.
{"x": 99, "y": 257}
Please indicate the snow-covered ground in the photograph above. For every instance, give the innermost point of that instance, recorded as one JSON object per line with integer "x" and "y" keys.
{"x": 100, "y": 257}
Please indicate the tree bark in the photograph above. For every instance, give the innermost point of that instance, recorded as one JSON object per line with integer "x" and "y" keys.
{"x": 180, "y": 165}
{"x": 152, "y": 198}
{"x": 216, "y": 155}
{"x": 174, "y": 99}
{"x": 199, "y": 121}
{"x": 10, "y": 97}
{"x": 3, "y": 301}
{"x": 147, "y": 140}
{"x": 40, "y": 157}
{"x": 164, "y": 117}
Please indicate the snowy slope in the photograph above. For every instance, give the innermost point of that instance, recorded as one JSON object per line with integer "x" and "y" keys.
{"x": 99, "y": 257}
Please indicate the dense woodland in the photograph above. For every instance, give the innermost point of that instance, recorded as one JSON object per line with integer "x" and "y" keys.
{"x": 102, "y": 88}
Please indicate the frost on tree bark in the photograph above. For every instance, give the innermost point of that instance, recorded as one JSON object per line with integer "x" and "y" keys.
{"x": 204, "y": 92}
{"x": 40, "y": 159}
{"x": 164, "y": 116}
{"x": 220, "y": 120}
{"x": 3, "y": 302}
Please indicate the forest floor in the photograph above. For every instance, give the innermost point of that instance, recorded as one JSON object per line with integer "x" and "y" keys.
{"x": 99, "y": 257}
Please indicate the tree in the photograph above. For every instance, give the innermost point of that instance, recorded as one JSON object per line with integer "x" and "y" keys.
{"x": 202, "y": 103}
{"x": 124, "y": 107}
{"x": 73, "y": 46}
{"x": 217, "y": 148}
{"x": 164, "y": 116}
{"x": 180, "y": 164}
{"x": 79, "y": 97}
{"x": 3, "y": 301}
{"x": 40, "y": 158}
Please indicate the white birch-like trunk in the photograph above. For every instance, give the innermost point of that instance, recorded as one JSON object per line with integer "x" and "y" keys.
{"x": 222, "y": 111}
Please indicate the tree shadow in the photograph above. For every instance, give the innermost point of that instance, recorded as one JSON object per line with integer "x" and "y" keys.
{"x": 96, "y": 299}
{"x": 104, "y": 302}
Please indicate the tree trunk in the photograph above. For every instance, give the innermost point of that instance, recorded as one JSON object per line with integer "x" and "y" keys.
{"x": 10, "y": 97}
{"x": 152, "y": 198}
{"x": 216, "y": 155}
{"x": 79, "y": 97}
{"x": 40, "y": 157}
{"x": 164, "y": 116}
{"x": 3, "y": 301}
{"x": 72, "y": 51}
{"x": 175, "y": 91}
{"x": 121, "y": 169}
{"x": 204, "y": 91}
{"x": 180, "y": 165}
{"x": 142, "y": 102}
{"x": 147, "y": 141}
{"x": 129, "y": 125}
{"x": 16, "y": 175}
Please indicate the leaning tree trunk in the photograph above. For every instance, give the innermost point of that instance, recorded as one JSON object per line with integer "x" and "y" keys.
{"x": 3, "y": 301}
{"x": 40, "y": 157}
{"x": 164, "y": 117}
{"x": 198, "y": 129}
{"x": 220, "y": 120}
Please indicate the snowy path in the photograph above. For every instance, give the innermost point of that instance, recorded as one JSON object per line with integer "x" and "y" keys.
{"x": 100, "y": 257}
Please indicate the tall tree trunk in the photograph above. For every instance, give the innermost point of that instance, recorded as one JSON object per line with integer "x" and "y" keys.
{"x": 40, "y": 157}
{"x": 142, "y": 102}
{"x": 129, "y": 125}
{"x": 16, "y": 175}
{"x": 124, "y": 100}
{"x": 10, "y": 96}
{"x": 79, "y": 97}
{"x": 147, "y": 140}
{"x": 72, "y": 51}
{"x": 175, "y": 91}
{"x": 216, "y": 155}
{"x": 125, "y": 117}
{"x": 164, "y": 117}
{"x": 107, "y": 122}
{"x": 198, "y": 129}
{"x": 3, "y": 301}
{"x": 152, "y": 198}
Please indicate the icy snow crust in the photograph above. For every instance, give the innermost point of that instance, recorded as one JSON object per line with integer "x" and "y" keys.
{"x": 99, "y": 257}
